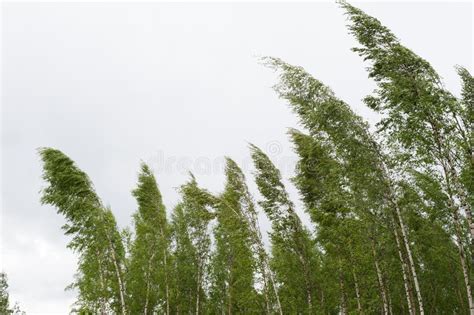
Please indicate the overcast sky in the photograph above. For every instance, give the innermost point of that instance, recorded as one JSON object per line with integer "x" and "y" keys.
{"x": 176, "y": 85}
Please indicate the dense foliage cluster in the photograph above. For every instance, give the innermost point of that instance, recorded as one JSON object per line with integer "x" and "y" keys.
{"x": 391, "y": 209}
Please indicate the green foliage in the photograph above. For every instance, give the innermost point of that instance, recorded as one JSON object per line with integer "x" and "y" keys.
{"x": 233, "y": 263}
{"x": 295, "y": 258}
{"x": 5, "y": 308}
{"x": 148, "y": 276}
{"x": 390, "y": 209}
{"x": 93, "y": 230}
{"x": 4, "y": 296}
{"x": 192, "y": 239}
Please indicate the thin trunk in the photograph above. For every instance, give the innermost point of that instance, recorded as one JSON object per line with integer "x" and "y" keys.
{"x": 343, "y": 294}
{"x": 229, "y": 286}
{"x": 302, "y": 252}
{"x": 102, "y": 286}
{"x": 411, "y": 303}
{"x": 267, "y": 272}
{"x": 356, "y": 283}
{"x": 307, "y": 282}
{"x": 280, "y": 310}
{"x": 462, "y": 257}
{"x": 357, "y": 292}
{"x": 118, "y": 270}
{"x": 380, "y": 279}
{"x": 303, "y": 258}
{"x": 465, "y": 205}
{"x": 308, "y": 298}
{"x": 275, "y": 290}
{"x": 410, "y": 256}
{"x": 118, "y": 273}
{"x": 165, "y": 260}
{"x": 229, "y": 305}
{"x": 167, "y": 288}
{"x": 120, "y": 282}
{"x": 458, "y": 232}
{"x": 147, "y": 296}
{"x": 198, "y": 287}
{"x": 145, "y": 309}
{"x": 265, "y": 289}
{"x": 390, "y": 310}
{"x": 449, "y": 173}
{"x": 392, "y": 198}
{"x": 252, "y": 222}
{"x": 468, "y": 212}
{"x": 452, "y": 178}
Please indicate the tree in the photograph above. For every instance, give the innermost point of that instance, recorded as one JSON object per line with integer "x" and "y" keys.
{"x": 149, "y": 273}
{"x": 346, "y": 135}
{"x": 420, "y": 116}
{"x": 391, "y": 210}
{"x": 292, "y": 247}
{"x": 4, "y": 296}
{"x": 345, "y": 227}
{"x": 233, "y": 262}
{"x": 191, "y": 218}
{"x": 95, "y": 236}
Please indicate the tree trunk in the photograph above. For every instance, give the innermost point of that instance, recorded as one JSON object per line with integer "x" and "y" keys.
{"x": 383, "y": 293}
{"x": 198, "y": 287}
{"x": 147, "y": 296}
{"x": 229, "y": 285}
{"x": 266, "y": 272}
{"x": 462, "y": 257}
{"x": 458, "y": 232}
{"x": 410, "y": 259}
{"x": 357, "y": 292}
{"x": 275, "y": 290}
{"x": 165, "y": 260}
{"x": 449, "y": 174}
{"x": 229, "y": 305}
{"x": 393, "y": 200}
{"x": 120, "y": 282}
{"x": 411, "y": 303}
{"x": 452, "y": 179}
{"x": 356, "y": 283}
{"x": 118, "y": 273}
{"x": 102, "y": 286}
{"x": 343, "y": 294}
{"x": 252, "y": 221}
{"x": 265, "y": 285}
{"x": 145, "y": 308}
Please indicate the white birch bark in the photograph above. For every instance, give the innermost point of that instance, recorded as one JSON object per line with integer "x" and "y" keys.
{"x": 383, "y": 293}
{"x": 406, "y": 284}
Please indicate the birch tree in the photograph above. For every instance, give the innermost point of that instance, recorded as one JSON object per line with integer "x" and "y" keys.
{"x": 94, "y": 234}
{"x": 191, "y": 221}
{"x": 149, "y": 274}
{"x": 292, "y": 247}
{"x": 420, "y": 116}
{"x": 249, "y": 216}
{"x": 233, "y": 264}
{"x": 390, "y": 209}
{"x": 341, "y": 230}
{"x": 328, "y": 118}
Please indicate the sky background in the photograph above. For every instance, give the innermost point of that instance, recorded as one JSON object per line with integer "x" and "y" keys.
{"x": 178, "y": 86}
